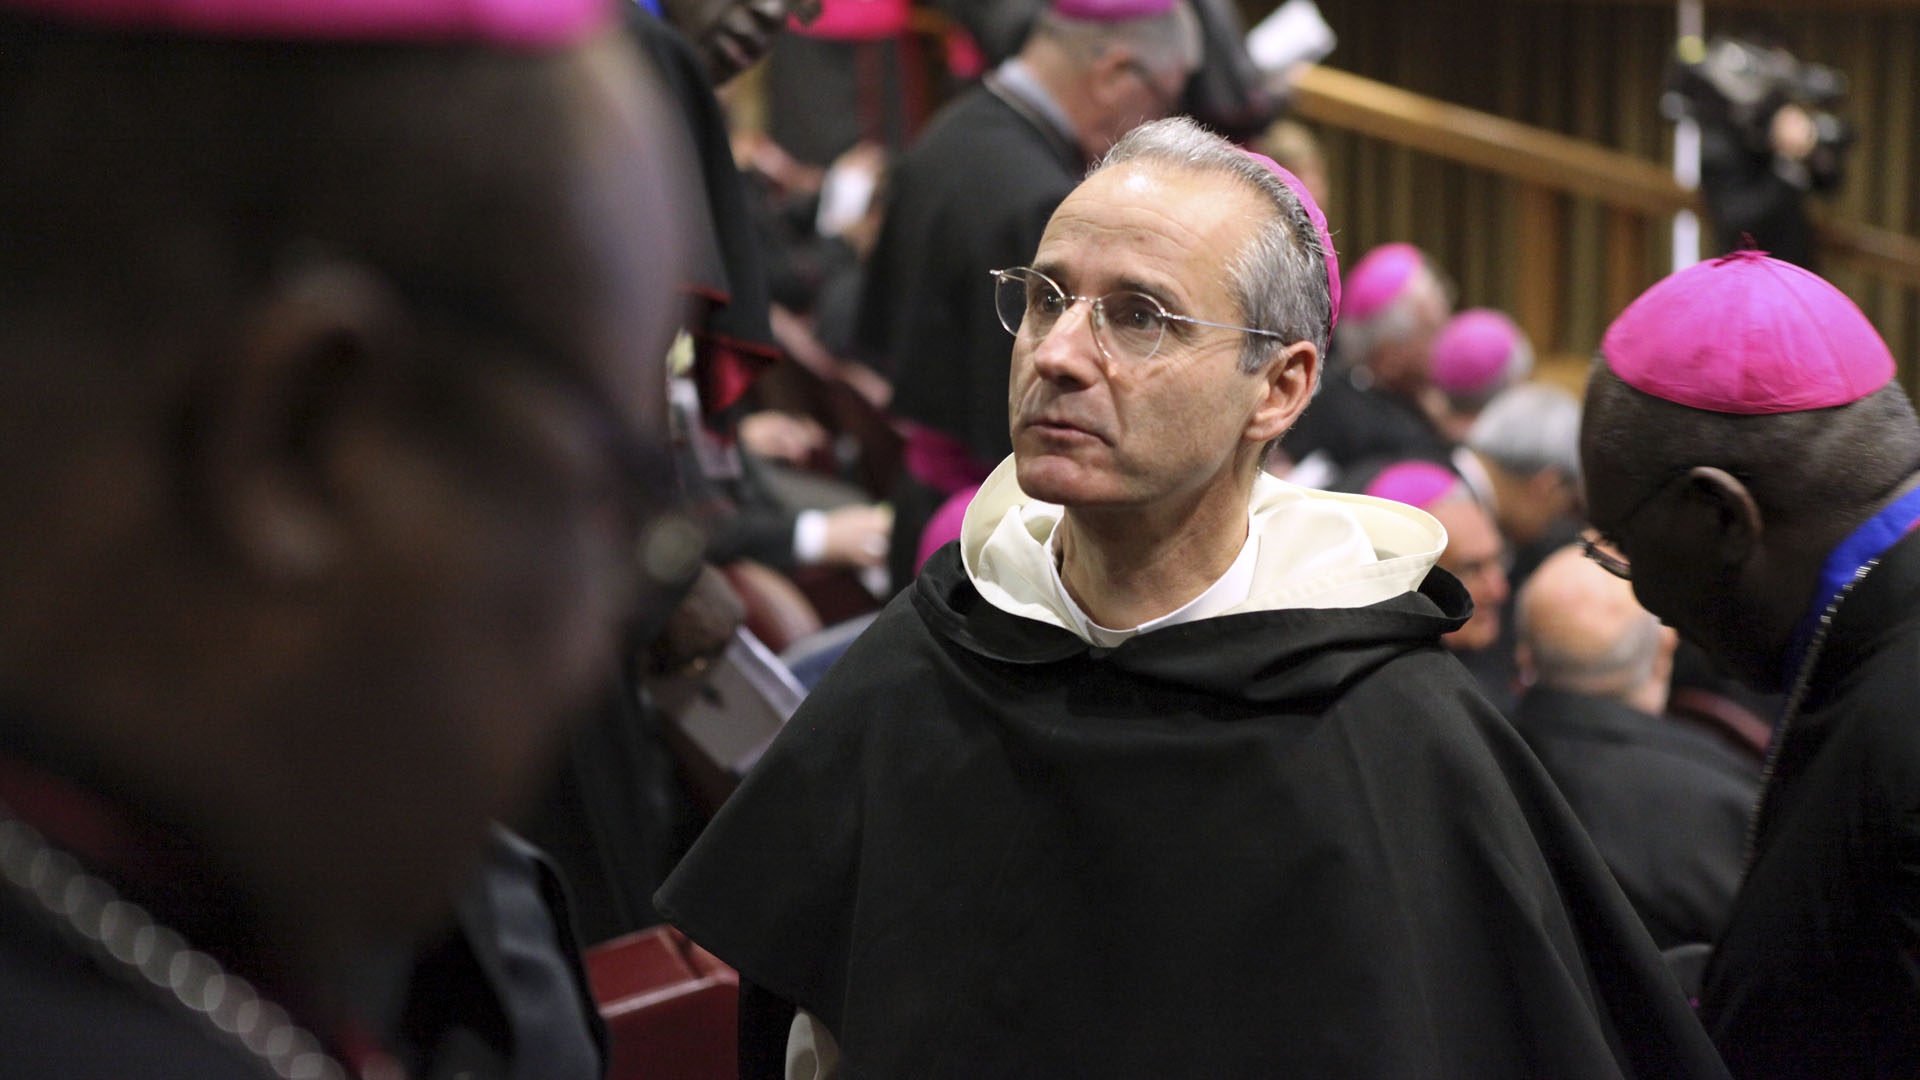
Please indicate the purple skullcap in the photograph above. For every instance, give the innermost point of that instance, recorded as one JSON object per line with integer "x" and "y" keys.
{"x": 1320, "y": 225}
{"x": 1380, "y": 276}
{"x": 1417, "y": 483}
{"x": 1475, "y": 355}
{"x": 1750, "y": 335}
{"x": 513, "y": 23}
{"x": 1111, "y": 10}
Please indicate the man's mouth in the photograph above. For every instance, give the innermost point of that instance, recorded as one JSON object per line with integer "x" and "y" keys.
{"x": 1060, "y": 429}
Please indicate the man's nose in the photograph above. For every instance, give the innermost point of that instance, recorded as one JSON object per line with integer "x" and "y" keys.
{"x": 1069, "y": 350}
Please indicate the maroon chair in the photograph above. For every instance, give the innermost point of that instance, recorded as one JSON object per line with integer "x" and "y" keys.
{"x": 670, "y": 1007}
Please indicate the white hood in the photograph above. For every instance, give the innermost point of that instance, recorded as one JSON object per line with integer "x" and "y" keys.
{"x": 1315, "y": 549}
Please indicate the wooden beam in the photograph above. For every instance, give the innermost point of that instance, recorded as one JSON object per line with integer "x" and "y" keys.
{"x": 1873, "y": 249}
{"x": 1485, "y": 141}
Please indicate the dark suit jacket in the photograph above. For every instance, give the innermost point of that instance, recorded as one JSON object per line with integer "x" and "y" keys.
{"x": 1667, "y": 805}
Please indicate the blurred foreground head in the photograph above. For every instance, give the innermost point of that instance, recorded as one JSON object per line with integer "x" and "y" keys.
{"x": 330, "y": 396}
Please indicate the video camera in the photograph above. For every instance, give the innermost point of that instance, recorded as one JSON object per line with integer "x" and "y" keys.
{"x": 1741, "y": 84}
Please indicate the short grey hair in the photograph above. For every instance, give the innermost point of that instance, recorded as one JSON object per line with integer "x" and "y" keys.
{"x": 1279, "y": 276}
{"x": 1167, "y": 42}
{"x": 1529, "y": 428}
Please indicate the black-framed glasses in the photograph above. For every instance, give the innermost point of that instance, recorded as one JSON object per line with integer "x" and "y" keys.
{"x": 1128, "y": 325}
{"x": 1593, "y": 547}
{"x": 1605, "y": 552}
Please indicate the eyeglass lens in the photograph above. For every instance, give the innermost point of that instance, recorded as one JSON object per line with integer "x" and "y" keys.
{"x": 1126, "y": 324}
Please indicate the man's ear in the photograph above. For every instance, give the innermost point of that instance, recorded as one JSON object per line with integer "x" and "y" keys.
{"x": 1733, "y": 515}
{"x": 1287, "y": 380}
{"x": 264, "y": 415}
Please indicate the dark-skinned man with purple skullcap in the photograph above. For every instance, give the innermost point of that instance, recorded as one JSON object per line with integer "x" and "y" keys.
{"x": 1753, "y": 467}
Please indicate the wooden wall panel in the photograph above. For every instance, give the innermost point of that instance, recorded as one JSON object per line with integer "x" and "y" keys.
{"x": 1593, "y": 70}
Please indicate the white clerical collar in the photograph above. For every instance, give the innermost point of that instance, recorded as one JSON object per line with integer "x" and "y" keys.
{"x": 1231, "y": 589}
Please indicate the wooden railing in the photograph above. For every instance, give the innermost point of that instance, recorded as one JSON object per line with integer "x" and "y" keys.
{"x": 1546, "y": 166}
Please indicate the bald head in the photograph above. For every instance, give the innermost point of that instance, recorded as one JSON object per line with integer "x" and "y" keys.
{"x": 1581, "y": 631}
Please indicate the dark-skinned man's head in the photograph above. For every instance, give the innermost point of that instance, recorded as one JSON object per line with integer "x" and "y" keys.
{"x": 1742, "y": 420}
{"x": 331, "y": 390}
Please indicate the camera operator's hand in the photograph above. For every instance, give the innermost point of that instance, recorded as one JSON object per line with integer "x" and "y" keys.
{"x": 1793, "y": 134}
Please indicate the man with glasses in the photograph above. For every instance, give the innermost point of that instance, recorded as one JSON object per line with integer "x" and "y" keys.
{"x": 972, "y": 196}
{"x": 1750, "y": 462}
{"x": 1162, "y": 770}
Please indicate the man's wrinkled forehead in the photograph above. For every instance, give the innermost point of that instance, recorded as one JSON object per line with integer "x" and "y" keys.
{"x": 1142, "y": 220}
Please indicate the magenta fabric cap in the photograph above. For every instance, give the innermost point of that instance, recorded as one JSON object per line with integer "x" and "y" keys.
{"x": 944, "y": 525}
{"x": 1747, "y": 334}
{"x": 1380, "y": 276}
{"x": 1475, "y": 353}
{"x": 1416, "y": 483}
{"x": 1111, "y": 10}
{"x": 515, "y": 23}
{"x": 1319, "y": 222}
{"x": 856, "y": 20}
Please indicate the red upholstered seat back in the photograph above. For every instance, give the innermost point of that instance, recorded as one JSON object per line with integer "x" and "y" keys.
{"x": 670, "y": 1007}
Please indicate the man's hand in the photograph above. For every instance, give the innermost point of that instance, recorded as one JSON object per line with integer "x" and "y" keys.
{"x": 1793, "y": 134}
{"x": 782, "y": 436}
{"x": 858, "y": 535}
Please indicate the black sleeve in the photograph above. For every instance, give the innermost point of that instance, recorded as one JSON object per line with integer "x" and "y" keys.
{"x": 765, "y": 1020}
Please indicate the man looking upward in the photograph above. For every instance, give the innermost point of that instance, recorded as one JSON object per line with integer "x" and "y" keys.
{"x": 972, "y": 196}
{"x": 1161, "y": 769}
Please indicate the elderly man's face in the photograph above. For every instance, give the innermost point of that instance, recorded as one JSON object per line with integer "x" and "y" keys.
{"x": 1476, "y": 556}
{"x": 1093, "y": 431}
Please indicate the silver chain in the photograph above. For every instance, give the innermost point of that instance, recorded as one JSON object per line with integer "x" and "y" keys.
{"x": 124, "y": 937}
{"x": 1802, "y": 682}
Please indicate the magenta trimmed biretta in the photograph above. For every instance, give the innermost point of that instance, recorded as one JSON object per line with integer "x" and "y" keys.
{"x": 1747, "y": 334}
{"x": 515, "y": 23}
{"x": 1475, "y": 352}
{"x": 1319, "y": 223}
{"x": 1416, "y": 483}
{"x": 1379, "y": 277}
{"x": 1111, "y": 10}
